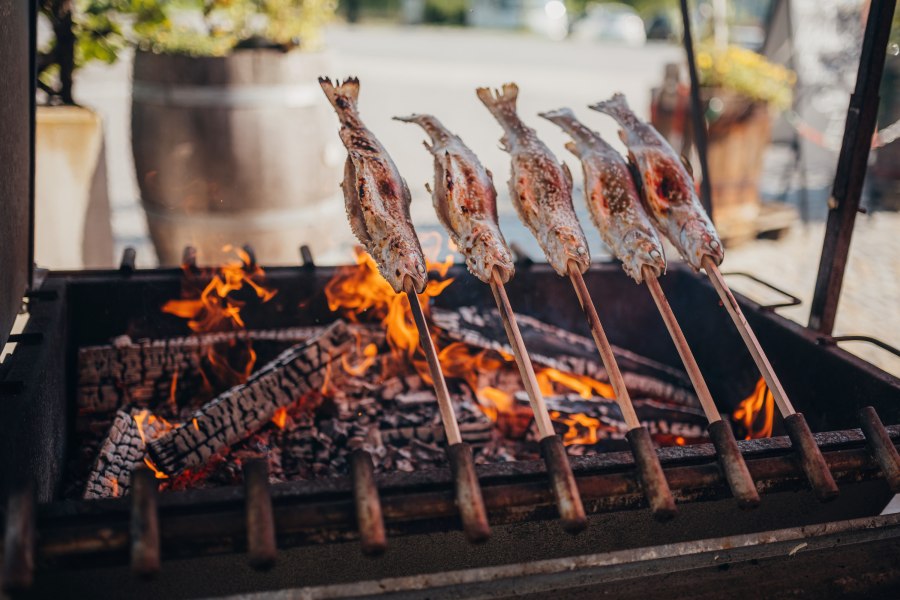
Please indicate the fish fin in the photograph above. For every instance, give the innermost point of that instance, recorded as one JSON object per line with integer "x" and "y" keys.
{"x": 414, "y": 118}
{"x": 428, "y": 188}
{"x": 623, "y": 136}
{"x": 573, "y": 148}
{"x": 353, "y": 202}
{"x": 428, "y": 146}
{"x": 499, "y": 101}
{"x": 504, "y": 143}
{"x": 490, "y": 175}
{"x": 568, "y": 173}
{"x": 687, "y": 165}
{"x": 616, "y": 107}
{"x": 343, "y": 97}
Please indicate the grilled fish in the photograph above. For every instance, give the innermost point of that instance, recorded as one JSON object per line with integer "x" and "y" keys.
{"x": 465, "y": 201}
{"x": 613, "y": 198}
{"x": 376, "y": 196}
{"x": 540, "y": 187}
{"x": 669, "y": 192}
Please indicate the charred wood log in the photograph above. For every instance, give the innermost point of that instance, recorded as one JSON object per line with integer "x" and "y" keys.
{"x": 122, "y": 451}
{"x": 141, "y": 372}
{"x": 565, "y": 351}
{"x": 660, "y": 419}
{"x": 242, "y": 410}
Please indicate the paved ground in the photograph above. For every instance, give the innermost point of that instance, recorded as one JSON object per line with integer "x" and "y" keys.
{"x": 419, "y": 69}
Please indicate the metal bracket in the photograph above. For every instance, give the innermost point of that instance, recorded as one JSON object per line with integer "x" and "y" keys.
{"x": 792, "y": 299}
{"x": 827, "y": 340}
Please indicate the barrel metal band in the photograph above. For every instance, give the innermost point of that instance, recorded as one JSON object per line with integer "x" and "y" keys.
{"x": 289, "y": 96}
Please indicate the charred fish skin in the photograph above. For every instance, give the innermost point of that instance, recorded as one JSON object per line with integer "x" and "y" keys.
{"x": 376, "y": 196}
{"x": 540, "y": 187}
{"x": 612, "y": 198}
{"x": 465, "y": 201}
{"x": 669, "y": 193}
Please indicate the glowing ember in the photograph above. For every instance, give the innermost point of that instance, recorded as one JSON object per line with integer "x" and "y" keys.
{"x": 359, "y": 293}
{"x": 756, "y": 412}
{"x": 280, "y": 417}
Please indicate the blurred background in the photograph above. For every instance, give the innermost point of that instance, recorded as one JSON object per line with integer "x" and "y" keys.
{"x": 168, "y": 123}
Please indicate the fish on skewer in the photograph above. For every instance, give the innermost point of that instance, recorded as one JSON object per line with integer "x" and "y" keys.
{"x": 669, "y": 193}
{"x": 376, "y": 196}
{"x": 540, "y": 187}
{"x": 615, "y": 204}
{"x": 377, "y": 201}
{"x": 466, "y": 202}
{"x": 612, "y": 198}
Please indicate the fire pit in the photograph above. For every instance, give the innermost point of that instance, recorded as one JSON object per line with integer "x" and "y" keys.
{"x": 245, "y": 430}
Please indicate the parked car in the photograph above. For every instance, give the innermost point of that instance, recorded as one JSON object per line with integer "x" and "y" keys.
{"x": 545, "y": 17}
{"x": 611, "y": 22}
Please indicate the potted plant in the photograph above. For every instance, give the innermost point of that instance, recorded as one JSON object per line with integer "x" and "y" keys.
{"x": 72, "y": 224}
{"x": 231, "y": 137}
{"x": 742, "y": 92}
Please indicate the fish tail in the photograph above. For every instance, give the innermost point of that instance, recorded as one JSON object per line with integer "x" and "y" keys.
{"x": 616, "y": 107}
{"x": 429, "y": 123}
{"x": 564, "y": 117}
{"x": 343, "y": 97}
{"x": 501, "y": 103}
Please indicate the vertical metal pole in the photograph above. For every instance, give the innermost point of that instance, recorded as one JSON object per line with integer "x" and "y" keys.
{"x": 851, "y": 168}
{"x": 697, "y": 113}
{"x": 32, "y": 80}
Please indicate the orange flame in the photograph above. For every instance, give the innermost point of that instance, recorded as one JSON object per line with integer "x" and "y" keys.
{"x": 217, "y": 307}
{"x": 280, "y": 417}
{"x": 756, "y": 412}
{"x": 146, "y": 418}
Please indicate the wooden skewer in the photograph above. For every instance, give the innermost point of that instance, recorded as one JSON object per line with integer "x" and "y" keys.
{"x": 562, "y": 480}
{"x": 448, "y": 416}
{"x": 650, "y": 471}
{"x": 603, "y": 346}
{"x": 523, "y": 361}
{"x": 817, "y": 471}
{"x": 684, "y": 351}
{"x": 759, "y": 357}
{"x": 729, "y": 455}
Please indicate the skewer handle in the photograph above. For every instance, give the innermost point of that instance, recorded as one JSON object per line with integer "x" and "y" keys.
{"x": 369, "y": 518}
{"x": 814, "y": 464}
{"x": 733, "y": 466}
{"x": 468, "y": 493}
{"x": 651, "y": 475}
{"x": 562, "y": 484}
{"x": 448, "y": 417}
{"x": 881, "y": 446}
{"x": 743, "y": 327}
{"x": 603, "y": 346}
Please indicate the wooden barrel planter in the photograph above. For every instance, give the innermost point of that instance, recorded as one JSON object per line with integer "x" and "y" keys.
{"x": 738, "y": 139}
{"x": 234, "y": 150}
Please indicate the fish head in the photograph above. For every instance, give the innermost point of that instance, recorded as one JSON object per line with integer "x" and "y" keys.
{"x": 698, "y": 238}
{"x": 564, "y": 244}
{"x": 645, "y": 250}
{"x": 403, "y": 264}
{"x": 486, "y": 252}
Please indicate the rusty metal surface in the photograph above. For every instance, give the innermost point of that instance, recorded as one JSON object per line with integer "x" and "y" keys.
{"x": 145, "y": 554}
{"x": 18, "y": 543}
{"x": 610, "y": 574}
{"x": 369, "y": 518}
{"x": 563, "y": 485}
{"x": 814, "y": 464}
{"x": 651, "y": 475}
{"x": 879, "y": 442}
{"x": 733, "y": 465}
{"x": 469, "y": 499}
{"x": 261, "y": 546}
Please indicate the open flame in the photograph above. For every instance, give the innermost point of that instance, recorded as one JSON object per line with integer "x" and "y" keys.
{"x": 756, "y": 412}
{"x": 359, "y": 293}
{"x": 217, "y": 307}
{"x": 144, "y": 420}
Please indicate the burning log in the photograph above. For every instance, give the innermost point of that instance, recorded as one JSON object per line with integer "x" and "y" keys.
{"x": 122, "y": 452}
{"x": 142, "y": 371}
{"x": 565, "y": 351}
{"x": 244, "y": 409}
